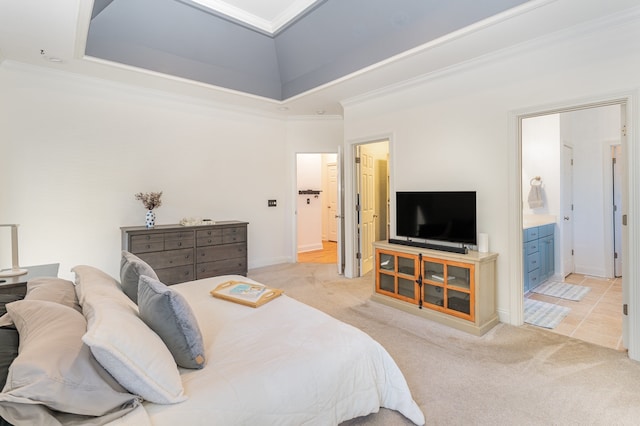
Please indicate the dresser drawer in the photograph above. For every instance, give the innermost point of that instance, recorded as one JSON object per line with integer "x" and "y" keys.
{"x": 208, "y": 237}
{"x": 167, "y": 259}
{"x": 175, "y": 275}
{"x": 178, "y": 240}
{"x": 236, "y": 266}
{"x": 232, "y": 235}
{"x": 146, "y": 243}
{"x": 221, "y": 252}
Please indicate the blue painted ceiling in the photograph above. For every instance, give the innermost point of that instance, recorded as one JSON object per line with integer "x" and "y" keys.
{"x": 330, "y": 41}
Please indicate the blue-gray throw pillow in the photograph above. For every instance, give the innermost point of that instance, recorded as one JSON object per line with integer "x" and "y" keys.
{"x": 167, "y": 313}
{"x": 131, "y": 268}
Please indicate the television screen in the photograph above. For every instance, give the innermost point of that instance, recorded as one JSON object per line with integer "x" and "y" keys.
{"x": 439, "y": 216}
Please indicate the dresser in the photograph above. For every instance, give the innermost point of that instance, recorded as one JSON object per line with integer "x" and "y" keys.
{"x": 185, "y": 253}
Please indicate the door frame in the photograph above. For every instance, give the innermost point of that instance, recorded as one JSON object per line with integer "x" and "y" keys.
{"x": 352, "y": 265}
{"x": 631, "y": 245}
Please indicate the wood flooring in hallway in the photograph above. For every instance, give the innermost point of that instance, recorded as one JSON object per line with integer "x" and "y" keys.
{"x": 328, "y": 254}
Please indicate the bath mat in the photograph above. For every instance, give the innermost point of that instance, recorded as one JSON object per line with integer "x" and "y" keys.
{"x": 562, "y": 290}
{"x": 543, "y": 314}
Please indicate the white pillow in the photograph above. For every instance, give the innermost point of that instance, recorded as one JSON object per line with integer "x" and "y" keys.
{"x": 126, "y": 347}
{"x": 93, "y": 280}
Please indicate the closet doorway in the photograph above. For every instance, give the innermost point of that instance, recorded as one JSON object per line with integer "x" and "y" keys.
{"x": 317, "y": 208}
{"x": 577, "y": 154}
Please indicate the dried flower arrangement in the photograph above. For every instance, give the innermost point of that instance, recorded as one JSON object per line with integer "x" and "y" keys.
{"x": 151, "y": 200}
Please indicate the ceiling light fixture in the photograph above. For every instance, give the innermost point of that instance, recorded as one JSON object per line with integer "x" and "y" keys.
{"x": 320, "y": 111}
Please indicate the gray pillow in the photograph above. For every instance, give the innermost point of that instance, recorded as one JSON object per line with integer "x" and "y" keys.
{"x": 131, "y": 267}
{"x": 167, "y": 313}
{"x": 54, "y": 367}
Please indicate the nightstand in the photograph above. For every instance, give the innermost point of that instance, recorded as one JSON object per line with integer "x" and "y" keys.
{"x": 18, "y": 285}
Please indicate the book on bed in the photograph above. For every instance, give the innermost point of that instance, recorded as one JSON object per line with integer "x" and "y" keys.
{"x": 249, "y": 294}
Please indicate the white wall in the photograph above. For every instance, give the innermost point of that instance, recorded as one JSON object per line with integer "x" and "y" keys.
{"x": 75, "y": 150}
{"x": 452, "y": 131}
{"x": 541, "y": 157}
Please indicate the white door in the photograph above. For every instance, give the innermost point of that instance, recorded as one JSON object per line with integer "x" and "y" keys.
{"x": 616, "y": 152}
{"x": 567, "y": 211}
{"x": 339, "y": 212}
{"x": 332, "y": 202}
{"x": 628, "y": 341}
{"x": 367, "y": 208}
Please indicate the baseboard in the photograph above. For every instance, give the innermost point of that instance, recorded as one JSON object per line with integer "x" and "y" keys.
{"x": 310, "y": 247}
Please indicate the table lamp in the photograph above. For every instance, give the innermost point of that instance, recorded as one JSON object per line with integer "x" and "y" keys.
{"x": 15, "y": 268}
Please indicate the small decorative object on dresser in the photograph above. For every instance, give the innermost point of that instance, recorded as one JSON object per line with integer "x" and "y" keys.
{"x": 181, "y": 253}
{"x": 151, "y": 200}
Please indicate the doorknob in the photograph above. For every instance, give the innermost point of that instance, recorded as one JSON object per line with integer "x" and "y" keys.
{"x": 566, "y": 218}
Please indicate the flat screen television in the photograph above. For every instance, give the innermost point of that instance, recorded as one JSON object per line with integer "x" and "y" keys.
{"x": 441, "y": 216}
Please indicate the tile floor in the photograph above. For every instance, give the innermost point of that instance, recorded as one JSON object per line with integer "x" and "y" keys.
{"x": 597, "y": 318}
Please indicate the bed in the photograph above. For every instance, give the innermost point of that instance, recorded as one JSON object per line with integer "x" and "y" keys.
{"x": 283, "y": 363}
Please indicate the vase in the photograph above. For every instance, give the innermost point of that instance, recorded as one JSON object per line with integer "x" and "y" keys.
{"x": 150, "y": 219}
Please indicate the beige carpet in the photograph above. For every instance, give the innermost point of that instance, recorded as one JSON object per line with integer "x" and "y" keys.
{"x": 510, "y": 376}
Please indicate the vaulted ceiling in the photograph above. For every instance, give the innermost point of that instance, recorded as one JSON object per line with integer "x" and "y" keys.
{"x": 281, "y": 57}
{"x": 322, "y": 42}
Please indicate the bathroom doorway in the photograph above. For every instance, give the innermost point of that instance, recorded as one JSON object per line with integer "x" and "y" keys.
{"x": 574, "y": 156}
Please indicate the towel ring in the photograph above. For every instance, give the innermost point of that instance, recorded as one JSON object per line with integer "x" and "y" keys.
{"x": 538, "y": 179}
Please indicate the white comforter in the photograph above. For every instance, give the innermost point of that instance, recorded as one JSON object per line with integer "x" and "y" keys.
{"x": 284, "y": 363}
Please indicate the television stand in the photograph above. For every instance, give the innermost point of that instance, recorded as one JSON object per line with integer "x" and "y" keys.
{"x": 458, "y": 290}
{"x": 461, "y": 250}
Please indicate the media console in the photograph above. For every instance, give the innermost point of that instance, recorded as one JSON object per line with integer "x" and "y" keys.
{"x": 455, "y": 289}
{"x": 451, "y": 249}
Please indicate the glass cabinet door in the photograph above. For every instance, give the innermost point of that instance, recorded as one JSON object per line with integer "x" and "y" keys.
{"x": 433, "y": 271}
{"x": 406, "y": 266}
{"x": 458, "y": 277}
{"x": 387, "y": 262}
{"x": 458, "y": 301}
{"x": 396, "y": 275}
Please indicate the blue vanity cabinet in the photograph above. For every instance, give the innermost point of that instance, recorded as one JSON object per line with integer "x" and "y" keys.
{"x": 538, "y": 255}
{"x": 547, "y": 253}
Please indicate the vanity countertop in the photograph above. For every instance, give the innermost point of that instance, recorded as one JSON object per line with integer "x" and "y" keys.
{"x": 532, "y": 220}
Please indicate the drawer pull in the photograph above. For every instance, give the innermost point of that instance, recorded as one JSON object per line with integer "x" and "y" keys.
{"x": 210, "y": 240}
{"x": 208, "y": 232}
{"x": 148, "y": 246}
{"x": 148, "y": 237}
{"x": 180, "y": 244}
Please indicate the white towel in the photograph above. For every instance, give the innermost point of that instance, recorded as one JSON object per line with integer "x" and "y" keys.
{"x": 535, "y": 197}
